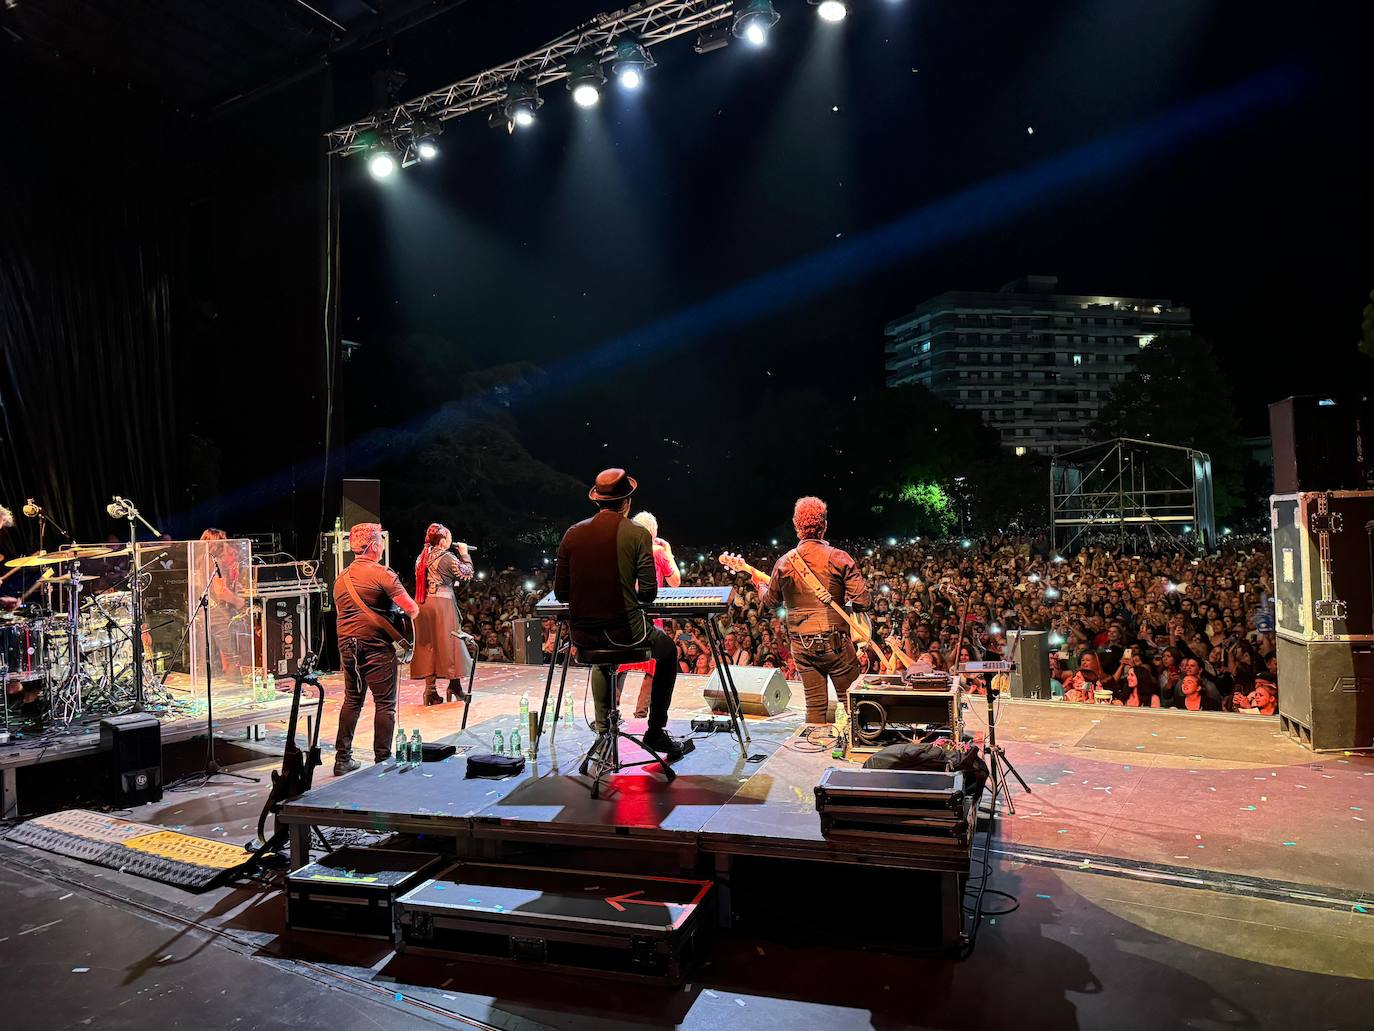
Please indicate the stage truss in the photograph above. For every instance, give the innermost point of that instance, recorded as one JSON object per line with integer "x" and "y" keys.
{"x": 1136, "y": 494}
{"x": 650, "y": 23}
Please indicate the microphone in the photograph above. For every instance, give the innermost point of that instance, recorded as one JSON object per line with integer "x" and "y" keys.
{"x": 118, "y": 508}
{"x": 31, "y": 510}
{"x": 471, "y": 549}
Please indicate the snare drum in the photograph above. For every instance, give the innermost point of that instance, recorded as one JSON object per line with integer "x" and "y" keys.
{"x": 21, "y": 649}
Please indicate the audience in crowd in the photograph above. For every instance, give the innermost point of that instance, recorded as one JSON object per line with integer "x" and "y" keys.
{"x": 1147, "y": 629}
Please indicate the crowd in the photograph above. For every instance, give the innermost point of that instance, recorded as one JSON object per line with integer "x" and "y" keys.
{"x": 1150, "y": 629}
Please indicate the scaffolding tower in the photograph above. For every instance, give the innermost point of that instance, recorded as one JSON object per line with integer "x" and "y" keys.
{"x": 1134, "y": 494}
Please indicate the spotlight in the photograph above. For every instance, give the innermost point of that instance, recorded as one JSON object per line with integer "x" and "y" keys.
{"x": 522, "y": 101}
{"x": 585, "y": 78}
{"x": 753, "y": 20}
{"x": 831, "y": 10}
{"x": 381, "y": 163}
{"x": 427, "y": 148}
{"x": 630, "y": 62}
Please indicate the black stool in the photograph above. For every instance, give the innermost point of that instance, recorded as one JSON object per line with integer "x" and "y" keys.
{"x": 605, "y": 751}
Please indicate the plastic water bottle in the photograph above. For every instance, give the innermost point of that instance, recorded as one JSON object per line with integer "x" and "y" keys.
{"x": 269, "y": 689}
{"x": 568, "y": 713}
{"x": 257, "y": 687}
{"x": 525, "y": 709}
{"x": 398, "y": 754}
{"x": 417, "y": 748}
{"x": 515, "y": 742}
{"x": 498, "y": 743}
{"x": 338, "y": 524}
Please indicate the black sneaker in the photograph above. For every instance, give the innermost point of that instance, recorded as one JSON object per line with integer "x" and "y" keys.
{"x": 344, "y": 766}
{"x": 665, "y": 744}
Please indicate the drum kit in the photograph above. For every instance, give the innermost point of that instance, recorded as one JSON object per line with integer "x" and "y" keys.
{"x": 66, "y": 656}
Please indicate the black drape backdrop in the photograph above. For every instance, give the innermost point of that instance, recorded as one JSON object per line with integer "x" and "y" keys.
{"x": 162, "y": 319}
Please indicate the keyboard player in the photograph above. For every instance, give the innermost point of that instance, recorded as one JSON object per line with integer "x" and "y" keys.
{"x": 605, "y": 575}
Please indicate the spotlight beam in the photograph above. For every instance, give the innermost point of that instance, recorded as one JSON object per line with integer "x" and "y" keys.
{"x": 651, "y": 23}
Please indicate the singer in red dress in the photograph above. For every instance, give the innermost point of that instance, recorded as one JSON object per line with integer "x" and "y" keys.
{"x": 439, "y": 653}
{"x": 666, "y": 571}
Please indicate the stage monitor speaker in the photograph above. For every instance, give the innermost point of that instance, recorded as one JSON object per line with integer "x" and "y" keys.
{"x": 1322, "y": 443}
{"x": 528, "y": 635}
{"x": 1326, "y": 694}
{"x": 762, "y": 691}
{"x": 132, "y": 750}
{"x": 362, "y": 502}
{"x": 1031, "y": 678}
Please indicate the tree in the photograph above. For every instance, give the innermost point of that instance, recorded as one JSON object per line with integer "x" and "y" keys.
{"x": 1177, "y": 394}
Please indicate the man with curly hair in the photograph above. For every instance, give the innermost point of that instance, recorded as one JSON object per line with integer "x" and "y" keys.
{"x": 819, "y": 638}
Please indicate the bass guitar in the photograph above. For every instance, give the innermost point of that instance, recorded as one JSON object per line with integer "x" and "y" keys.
{"x": 858, "y": 625}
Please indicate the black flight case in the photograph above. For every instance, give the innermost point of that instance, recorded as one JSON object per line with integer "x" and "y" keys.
{"x": 352, "y": 890}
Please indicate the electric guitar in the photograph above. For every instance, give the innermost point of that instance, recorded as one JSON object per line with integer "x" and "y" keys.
{"x": 859, "y": 627}
{"x": 297, "y": 764}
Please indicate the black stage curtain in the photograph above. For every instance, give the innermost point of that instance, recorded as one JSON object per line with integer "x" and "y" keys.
{"x": 89, "y": 242}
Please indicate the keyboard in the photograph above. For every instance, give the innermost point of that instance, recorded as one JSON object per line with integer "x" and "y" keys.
{"x": 671, "y": 601}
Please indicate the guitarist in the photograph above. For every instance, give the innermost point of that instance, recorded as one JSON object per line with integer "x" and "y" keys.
{"x": 820, "y": 639}
{"x": 365, "y": 644}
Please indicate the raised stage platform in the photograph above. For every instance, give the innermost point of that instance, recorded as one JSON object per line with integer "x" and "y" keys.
{"x": 82, "y": 738}
{"x": 720, "y": 807}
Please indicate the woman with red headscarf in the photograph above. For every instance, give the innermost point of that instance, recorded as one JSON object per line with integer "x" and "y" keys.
{"x": 438, "y": 651}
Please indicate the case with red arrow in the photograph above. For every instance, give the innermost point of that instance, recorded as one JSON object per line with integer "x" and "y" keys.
{"x": 618, "y": 925}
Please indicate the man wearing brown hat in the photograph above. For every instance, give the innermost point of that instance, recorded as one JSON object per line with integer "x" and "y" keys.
{"x": 605, "y": 575}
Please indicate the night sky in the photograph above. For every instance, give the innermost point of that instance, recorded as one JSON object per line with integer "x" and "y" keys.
{"x": 551, "y": 243}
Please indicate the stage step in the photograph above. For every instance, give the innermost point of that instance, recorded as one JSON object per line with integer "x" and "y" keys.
{"x": 622, "y": 926}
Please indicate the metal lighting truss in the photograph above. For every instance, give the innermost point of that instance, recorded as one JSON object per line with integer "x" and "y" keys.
{"x": 1132, "y": 493}
{"x": 650, "y": 23}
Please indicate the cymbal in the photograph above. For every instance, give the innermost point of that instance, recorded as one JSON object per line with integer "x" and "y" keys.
{"x": 49, "y": 577}
{"x": 49, "y": 558}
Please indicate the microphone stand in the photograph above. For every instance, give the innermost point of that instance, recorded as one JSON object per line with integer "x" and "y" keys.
{"x": 212, "y": 767}
{"x": 998, "y": 763}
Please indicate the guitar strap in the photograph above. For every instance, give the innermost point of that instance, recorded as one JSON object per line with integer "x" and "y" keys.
{"x": 808, "y": 577}
{"x": 372, "y": 617}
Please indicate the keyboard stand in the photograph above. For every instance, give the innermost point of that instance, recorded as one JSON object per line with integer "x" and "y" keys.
{"x": 727, "y": 686}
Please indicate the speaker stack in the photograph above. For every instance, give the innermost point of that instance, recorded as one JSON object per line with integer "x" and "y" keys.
{"x": 1322, "y": 526}
{"x": 528, "y": 635}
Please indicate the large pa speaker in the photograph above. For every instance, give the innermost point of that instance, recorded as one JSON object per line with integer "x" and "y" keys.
{"x": 132, "y": 750}
{"x": 528, "y": 635}
{"x": 762, "y": 691}
{"x": 1326, "y": 694}
{"x": 1322, "y": 444}
{"x": 362, "y": 502}
{"x": 1031, "y": 678}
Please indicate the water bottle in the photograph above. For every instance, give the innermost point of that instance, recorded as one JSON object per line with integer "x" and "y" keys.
{"x": 525, "y": 709}
{"x": 257, "y": 687}
{"x": 417, "y": 749}
{"x": 568, "y": 713}
{"x": 338, "y": 524}
{"x": 269, "y": 689}
{"x": 515, "y": 742}
{"x": 498, "y": 743}
{"x": 398, "y": 754}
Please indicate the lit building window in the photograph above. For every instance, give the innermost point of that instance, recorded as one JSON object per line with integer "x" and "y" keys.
{"x": 1021, "y": 451}
{"x": 1078, "y": 359}
{"x": 925, "y": 346}
{"x": 1146, "y": 340}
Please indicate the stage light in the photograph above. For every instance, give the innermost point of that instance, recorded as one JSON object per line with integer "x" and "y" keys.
{"x": 831, "y": 10}
{"x": 427, "y": 148}
{"x": 585, "y": 78}
{"x": 630, "y": 62}
{"x": 522, "y": 101}
{"x": 381, "y": 163}
{"x": 753, "y": 21}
